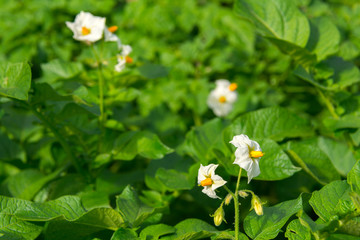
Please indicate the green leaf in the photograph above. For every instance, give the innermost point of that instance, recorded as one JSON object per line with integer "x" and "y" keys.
{"x": 275, "y": 164}
{"x": 15, "y": 80}
{"x": 13, "y": 228}
{"x": 144, "y": 143}
{"x": 332, "y": 200}
{"x": 91, "y": 222}
{"x": 339, "y": 236}
{"x": 312, "y": 160}
{"x": 174, "y": 180}
{"x": 275, "y": 123}
{"x": 64, "y": 213}
{"x": 68, "y": 207}
{"x": 279, "y": 19}
{"x": 131, "y": 208}
{"x": 124, "y": 234}
{"x": 200, "y": 140}
{"x": 347, "y": 121}
{"x": 27, "y": 183}
{"x": 353, "y": 177}
{"x": 270, "y": 223}
{"x": 154, "y": 232}
{"x": 152, "y": 71}
{"x": 339, "y": 153}
{"x": 345, "y": 73}
{"x": 122, "y": 95}
{"x": 300, "y": 55}
{"x": 324, "y": 38}
{"x": 296, "y": 231}
{"x": 61, "y": 69}
{"x": 192, "y": 229}
{"x": 306, "y": 76}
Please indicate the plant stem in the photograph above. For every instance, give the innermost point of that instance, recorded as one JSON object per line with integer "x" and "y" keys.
{"x": 236, "y": 206}
{"x": 101, "y": 87}
{"x": 328, "y": 104}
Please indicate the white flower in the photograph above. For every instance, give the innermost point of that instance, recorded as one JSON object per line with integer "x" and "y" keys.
{"x": 87, "y": 27}
{"x": 126, "y": 50}
{"x": 109, "y": 35}
{"x": 247, "y": 155}
{"x": 222, "y": 98}
{"x": 123, "y": 58}
{"x": 209, "y": 180}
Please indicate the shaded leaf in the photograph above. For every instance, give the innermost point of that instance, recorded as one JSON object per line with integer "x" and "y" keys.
{"x": 131, "y": 208}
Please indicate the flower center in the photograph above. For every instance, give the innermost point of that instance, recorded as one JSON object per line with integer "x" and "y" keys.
{"x": 112, "y": 29}
{"x": 128, "y": 59}
{"x": 206, "y": 182}
{"x": 233, "y": 87}
{"x": 222, "y": 99}
{"x": 85, "y": 31}
{"x": 256, "y": 154}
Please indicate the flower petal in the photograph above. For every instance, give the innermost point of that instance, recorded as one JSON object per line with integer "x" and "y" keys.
{"x": 208, "y": 191}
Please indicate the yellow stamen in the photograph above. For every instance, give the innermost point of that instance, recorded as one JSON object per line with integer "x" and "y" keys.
{"x": 128, "y": 59}
{"x": 112, "y": 29}
{"x": 206, "y": 182}
{"x": 256, "y": 154}
{"x": 233, "y": 87}
{"x": 85, "y": 31}
{"x": 222, "y": 99}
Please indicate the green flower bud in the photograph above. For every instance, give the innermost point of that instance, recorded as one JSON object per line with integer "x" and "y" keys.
{"x": 243, "y": 194}
{"x": 256, "y": 204}
{"x": 228, "y": 199}
{"x": 219, "y": 216}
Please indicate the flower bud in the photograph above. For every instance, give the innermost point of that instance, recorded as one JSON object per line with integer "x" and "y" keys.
{"x": 219, "y": 216}
{"x": 256, "y": 204}
{"x": 228, "y": 199}
{"x": 243, "y": 194}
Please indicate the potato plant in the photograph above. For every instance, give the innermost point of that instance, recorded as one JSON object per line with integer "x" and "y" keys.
{"x": 180, "y": 120}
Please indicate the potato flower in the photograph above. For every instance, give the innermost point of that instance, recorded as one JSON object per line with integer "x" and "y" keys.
{"x": 209, "y": 180}
{"x": 109, "y": 35}
{"x": 123, "y": 58}
{"x": 87, "y": 27}
{"x": 222, "y": 98}
{"x": 247, "y": 155}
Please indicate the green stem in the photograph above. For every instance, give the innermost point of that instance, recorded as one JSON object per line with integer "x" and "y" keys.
{"x": 328, "y": 104}
{"x": 61, "y": 139}
{"x": 101, "y": 87}
{"x": 236, "y": 206}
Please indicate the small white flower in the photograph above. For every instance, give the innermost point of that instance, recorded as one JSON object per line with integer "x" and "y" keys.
{"x": 87, "y": 27}
{"x": 222, "y": 98}
{"x": 126, "y": 50}
{"x": 121, "y": 63}
{"x": 109, "y": 35}
{"x": 247, "y": 155}
{"x": 209, "y": 180}
{"x": 123, "y": 58}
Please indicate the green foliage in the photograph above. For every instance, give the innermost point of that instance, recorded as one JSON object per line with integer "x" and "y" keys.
{"x": 87, "y": 152}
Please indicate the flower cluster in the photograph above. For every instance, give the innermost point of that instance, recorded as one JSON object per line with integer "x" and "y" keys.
{"x": 247, "y": 156}
{"x": 89, "y": 28}
{"x": 222, "y": 98}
